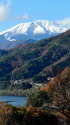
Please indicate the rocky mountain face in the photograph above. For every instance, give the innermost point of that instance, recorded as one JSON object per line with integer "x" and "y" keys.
{"x": 30, "y": 33}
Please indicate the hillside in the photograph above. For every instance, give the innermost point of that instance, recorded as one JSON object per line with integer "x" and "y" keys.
{"x": 44, "y": 59}
{"x": 63, "y": 79}
{"x": 12, "y": 44}
{"x": 3, "y": 52}
{"x": 55, "y": 97}
{"x": 60, "y": 86}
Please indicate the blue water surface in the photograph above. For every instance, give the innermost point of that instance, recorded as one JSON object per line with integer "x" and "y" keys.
{"x": 15, "y": 100}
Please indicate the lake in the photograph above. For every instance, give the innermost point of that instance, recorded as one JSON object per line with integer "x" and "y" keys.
{"x": 14, "y": 100}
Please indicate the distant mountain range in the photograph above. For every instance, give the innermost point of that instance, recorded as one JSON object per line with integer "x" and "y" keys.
{"x": 30, "y": 33}
{"x": 38, "y": 61}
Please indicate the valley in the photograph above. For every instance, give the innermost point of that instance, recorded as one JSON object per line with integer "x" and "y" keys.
{"x": 41, "y": 72}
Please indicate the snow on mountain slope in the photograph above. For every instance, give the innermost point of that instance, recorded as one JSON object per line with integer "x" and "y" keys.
{"x": 36, "y": 30}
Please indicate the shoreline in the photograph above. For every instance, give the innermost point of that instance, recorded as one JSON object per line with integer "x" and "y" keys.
{"x": 19, "y": 93}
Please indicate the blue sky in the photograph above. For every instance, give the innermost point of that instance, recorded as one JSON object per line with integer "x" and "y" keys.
{"x": 13, "y": 12}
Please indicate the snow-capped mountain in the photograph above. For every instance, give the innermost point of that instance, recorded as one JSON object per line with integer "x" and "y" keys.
{"x": 36, "y": 31}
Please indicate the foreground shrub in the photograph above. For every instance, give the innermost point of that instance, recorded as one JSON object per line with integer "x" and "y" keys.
{"x": 38, "y": 99}
{"x": 11, "y": 115}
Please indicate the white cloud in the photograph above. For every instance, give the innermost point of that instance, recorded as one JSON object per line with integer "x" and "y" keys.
{"x": 23, "y": 17}
{"x": 65, "y": 21}
{"x": 4, "y": 10}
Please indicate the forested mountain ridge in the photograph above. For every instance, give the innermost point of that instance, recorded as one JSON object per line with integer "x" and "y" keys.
{"x": 3, "y": 52}
{"x": 31, "y": 60}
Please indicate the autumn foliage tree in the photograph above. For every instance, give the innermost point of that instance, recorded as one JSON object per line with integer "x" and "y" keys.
{"x": 59, "y": 90}
{"x": 11, "y": 115}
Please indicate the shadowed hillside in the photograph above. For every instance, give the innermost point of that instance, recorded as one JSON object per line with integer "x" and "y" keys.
{"x": 30, "y": 60}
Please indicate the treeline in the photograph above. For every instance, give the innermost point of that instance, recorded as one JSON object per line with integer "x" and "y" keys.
{"x": 11, "y": 115}
{"x": 7, "y": 85}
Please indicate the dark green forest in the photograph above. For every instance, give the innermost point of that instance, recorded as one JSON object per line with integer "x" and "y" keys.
{"x": 38, "y": 61}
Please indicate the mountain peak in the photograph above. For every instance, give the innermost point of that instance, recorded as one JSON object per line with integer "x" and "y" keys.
{"x": 44, "y": 24}
{"x": 37, "y": 30}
